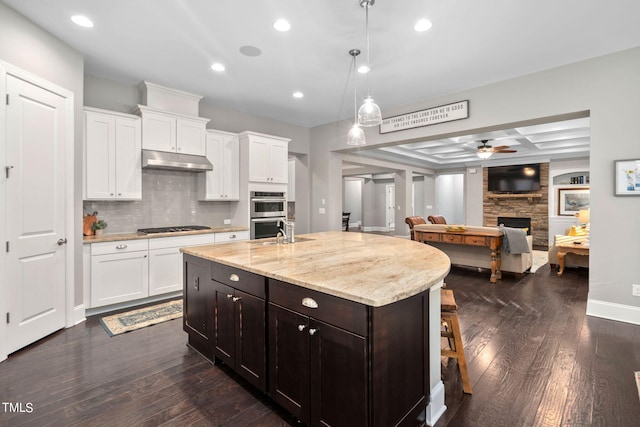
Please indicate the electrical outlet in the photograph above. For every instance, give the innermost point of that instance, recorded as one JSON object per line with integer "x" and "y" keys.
{"x": 635, "y": 290}
{"x": 227, "y": 222}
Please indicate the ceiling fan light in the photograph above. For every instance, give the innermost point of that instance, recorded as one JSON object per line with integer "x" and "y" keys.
{"x": 369, "y": 113}
{"x": 356, "y": 135}
{"x": 484, "y": 154}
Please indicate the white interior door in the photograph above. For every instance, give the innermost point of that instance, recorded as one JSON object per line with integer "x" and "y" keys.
{"x": 36, "y": 127}
{"x": 391, "y": 207}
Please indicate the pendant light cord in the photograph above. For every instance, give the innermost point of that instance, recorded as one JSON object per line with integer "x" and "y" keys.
{"x": 366, "y": 26}
{"x": 355, "y": 92}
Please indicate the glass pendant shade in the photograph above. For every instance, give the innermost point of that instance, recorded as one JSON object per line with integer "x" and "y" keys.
{"x": 485, "y": 154}
{"x": 369, "y": 113}
{"x": 356, "y": 135}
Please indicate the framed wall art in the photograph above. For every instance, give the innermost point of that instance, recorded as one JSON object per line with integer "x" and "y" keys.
{"x": 627, "y": 179}
{"x": 571, "y": 200}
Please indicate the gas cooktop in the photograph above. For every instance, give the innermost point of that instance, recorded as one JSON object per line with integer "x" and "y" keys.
{"x": 173, "y": 229}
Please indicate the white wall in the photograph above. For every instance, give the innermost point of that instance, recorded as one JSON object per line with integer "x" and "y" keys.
{"x": 604, "y": 87}
{"x": 27, "y": 46}
{"x": 450, "y": 198}
{"x": 352, "y": 199}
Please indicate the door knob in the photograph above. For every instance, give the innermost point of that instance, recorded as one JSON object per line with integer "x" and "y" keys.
{"x": 61, "y": 242}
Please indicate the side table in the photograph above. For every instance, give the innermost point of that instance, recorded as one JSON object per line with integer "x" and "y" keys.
{"x": 578, "y": 248}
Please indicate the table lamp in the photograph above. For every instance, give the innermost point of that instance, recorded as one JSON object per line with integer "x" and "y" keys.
{"x": 583, "y": 217}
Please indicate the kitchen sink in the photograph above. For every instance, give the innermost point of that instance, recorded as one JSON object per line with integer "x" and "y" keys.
{"x": 272, "y": 241}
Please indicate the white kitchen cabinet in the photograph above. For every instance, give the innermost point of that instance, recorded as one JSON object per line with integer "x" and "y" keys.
{"x": 127, "y": 270}
{"x": 268, "y": 157}
{"x": 231, "y": 236}
{"x": 119, "y": 271}
{"x": 165, "y": 261}
{"x": 223, "y": 182}
{"x": 112, "y": 161}
{"x": 174, "y": 133}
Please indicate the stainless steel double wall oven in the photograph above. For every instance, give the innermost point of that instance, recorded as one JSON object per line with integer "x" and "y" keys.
{"x": 267, "y": 210}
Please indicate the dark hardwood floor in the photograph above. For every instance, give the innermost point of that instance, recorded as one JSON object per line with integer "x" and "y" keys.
{"x": 535, "y": 359}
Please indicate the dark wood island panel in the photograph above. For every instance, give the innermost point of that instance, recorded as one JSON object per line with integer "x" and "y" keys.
{"x": 327, "y": 360}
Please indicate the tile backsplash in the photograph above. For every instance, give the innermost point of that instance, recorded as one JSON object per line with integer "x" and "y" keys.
{"x": 168, "y": 198}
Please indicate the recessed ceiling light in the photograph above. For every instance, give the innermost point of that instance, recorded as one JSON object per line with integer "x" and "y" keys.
{"x": 364, "y": 69}
{"x": 218, "y": 67}
{"x": 282, "y": 25}
{"x": 422, "y": 25}
{"x": 83, "y": 21}
{"x": 298, "y": 94}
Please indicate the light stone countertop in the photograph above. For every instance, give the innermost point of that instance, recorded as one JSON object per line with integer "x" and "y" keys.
{"x": 114, "y": 237}
{"x": 366, "y": 268}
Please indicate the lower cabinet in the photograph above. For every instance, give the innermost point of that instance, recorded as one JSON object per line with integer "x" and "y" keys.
{"x": 317, "y": 371}
{"x": 239, "y": 341}
{"x": 119, "y": 272}
{"x": 327, "y": 360}
{"x": 198, "y": 296}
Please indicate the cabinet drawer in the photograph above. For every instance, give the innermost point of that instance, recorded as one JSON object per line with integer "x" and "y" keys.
{"x": 243, "y": 280}
{"x": 232, "y": 236}
{"x": 121, "y": 246}
{"x": 430, "y": 237}
{"x": 452, "y": 238}
{"x": 475, "y": 240}
{"x": 340, "y": 312}
{"x": 180, "y": 241}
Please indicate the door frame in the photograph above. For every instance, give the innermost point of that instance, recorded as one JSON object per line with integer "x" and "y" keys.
{"x": 389, "y": 203}
{"x": 7, "y": 69}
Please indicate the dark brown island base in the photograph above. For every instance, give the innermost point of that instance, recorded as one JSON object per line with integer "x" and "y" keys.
{"x": 340, "y": 329}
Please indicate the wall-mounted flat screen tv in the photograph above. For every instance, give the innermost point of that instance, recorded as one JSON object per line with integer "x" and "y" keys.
{"x": 514, "y": 179}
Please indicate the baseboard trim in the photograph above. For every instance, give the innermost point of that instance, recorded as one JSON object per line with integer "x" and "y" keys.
{"x": 436, "y": 406}
{"x": 133, "y": 303}
{"x": 78, "y": 314}
{"x": 613, "y": 311}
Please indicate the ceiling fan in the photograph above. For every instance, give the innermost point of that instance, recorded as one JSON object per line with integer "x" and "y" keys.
{"x": 485, "y": 151}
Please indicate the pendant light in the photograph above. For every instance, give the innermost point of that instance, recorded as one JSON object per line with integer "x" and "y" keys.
{"x": 369, "y": 113}
{"x": 356, "y": 134}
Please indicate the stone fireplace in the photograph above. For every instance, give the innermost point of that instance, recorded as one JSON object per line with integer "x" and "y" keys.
{"x": 533, "y": 206}
{"x": 515, "y": 222}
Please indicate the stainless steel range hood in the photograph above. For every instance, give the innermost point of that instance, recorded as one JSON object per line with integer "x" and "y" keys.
{"x": 174, "y": 161}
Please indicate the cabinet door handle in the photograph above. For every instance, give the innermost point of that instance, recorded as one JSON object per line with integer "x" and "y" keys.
{"x": 229, "y": 296}
{"x": 313, "y": 331}
{"x": 236, "y": 299}
{"x": 309, "y": 302}
{"x": 61, "y": 242}
{"x": 196, "y": 283}
{"x": 122, "y": 246}
{"x": 301, "y": 327}
{"x": 234, "y": 278}
{"x": 233, "y": 236}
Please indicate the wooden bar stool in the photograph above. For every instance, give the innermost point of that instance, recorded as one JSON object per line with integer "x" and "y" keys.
{"x": 451, "y": 331}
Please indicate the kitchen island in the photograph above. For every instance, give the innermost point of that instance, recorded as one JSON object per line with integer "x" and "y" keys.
{"x": 338, "y": 328}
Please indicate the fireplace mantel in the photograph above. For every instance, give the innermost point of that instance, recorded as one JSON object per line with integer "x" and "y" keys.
{"x": 530, "y": 196}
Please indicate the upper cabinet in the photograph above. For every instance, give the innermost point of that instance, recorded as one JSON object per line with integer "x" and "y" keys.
{"x": 223, "y": 182}
{"x": 112, "y": 151}
{"x": 174, "y": 133}
{"x": 268, "y": 157}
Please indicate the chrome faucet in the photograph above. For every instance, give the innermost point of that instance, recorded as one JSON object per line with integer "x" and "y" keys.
{"x": 286, "y": 228}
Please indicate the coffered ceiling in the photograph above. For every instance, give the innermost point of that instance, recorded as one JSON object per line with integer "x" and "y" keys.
{"x": 534, "y": 143}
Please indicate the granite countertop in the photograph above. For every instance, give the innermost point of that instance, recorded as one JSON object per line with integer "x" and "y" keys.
{"x": 366, "y": 268}
{"x": 114, "y": 237}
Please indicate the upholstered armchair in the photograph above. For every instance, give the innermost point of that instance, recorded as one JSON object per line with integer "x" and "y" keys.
{"x": 436, "y": 219}
{"x": 414, "y": 220}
